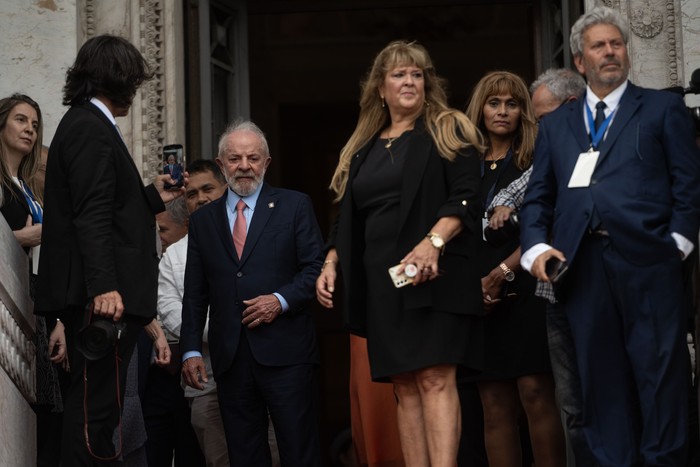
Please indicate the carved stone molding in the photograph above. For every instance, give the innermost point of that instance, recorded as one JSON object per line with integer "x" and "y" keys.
{"x": 151, "y": 27}
{"x": 90, "y": 19}
{"x": 647, "y": 20}
{"x": 612, "y": 4}
{"x": 17, "y": 354}
{"x": 672, "y": 44}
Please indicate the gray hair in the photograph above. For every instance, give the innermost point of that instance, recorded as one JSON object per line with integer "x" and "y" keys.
{"x": 598, "y": 15}
{"x": 561, "y": 82}
{"x": 243, "y": 125}
{"x": 177, "y": 209}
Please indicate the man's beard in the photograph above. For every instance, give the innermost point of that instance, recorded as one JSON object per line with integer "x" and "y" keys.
{"x": 246, "y": 186}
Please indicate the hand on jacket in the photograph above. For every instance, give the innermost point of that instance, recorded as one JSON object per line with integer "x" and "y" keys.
{"x": 261, "y": 310}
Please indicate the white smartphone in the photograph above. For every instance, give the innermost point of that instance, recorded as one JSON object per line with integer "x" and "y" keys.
{"x": 400, "y": 280}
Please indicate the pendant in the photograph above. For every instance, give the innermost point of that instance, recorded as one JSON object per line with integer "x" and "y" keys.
{"x": 493, "y": 165}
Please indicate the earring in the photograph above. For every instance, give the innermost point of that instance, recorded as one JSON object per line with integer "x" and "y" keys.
{"x": 427, "y": 104}
{"x": 383, "y": 103}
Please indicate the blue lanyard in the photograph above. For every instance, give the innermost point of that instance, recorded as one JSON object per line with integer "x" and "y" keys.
{"x": 597, "y": 136}
{"x": 31, "y": 201}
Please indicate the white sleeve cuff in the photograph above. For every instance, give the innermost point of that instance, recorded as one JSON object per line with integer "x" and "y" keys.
{"x": 531, "y": 255}
{"x": 683, "y": 244}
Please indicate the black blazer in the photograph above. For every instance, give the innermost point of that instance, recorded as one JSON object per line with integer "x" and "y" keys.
{"x": 14, "y": 207}
{"x": 283, "y": 253}
{"x": 432, "y": 187}
{"x": 99, "y": 231}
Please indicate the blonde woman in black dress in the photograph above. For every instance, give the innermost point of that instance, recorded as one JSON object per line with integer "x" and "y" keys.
{"x": 408, "y": 182}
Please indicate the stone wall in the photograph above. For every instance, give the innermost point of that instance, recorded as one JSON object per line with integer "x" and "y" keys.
{"x": 664, "y": 44}
{"x": 17, "y": 355}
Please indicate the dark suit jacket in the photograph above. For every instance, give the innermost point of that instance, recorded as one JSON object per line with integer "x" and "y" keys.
{"x": 432, "y": 187}
{"x": 99, "y": 231}
{"x": 646, "y": 183}
{"x": 176, "y": 174}
{"x": 282, "y": 253}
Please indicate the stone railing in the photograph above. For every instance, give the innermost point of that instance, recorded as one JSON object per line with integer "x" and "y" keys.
{"x": 17, "y": 348}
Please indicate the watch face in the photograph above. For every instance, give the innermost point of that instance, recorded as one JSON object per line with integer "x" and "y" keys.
{"x": 437, "y": 242}
{"x": 510, "y": 275}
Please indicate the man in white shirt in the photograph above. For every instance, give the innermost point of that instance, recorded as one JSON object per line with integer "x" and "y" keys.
{"x": 205, "y": 184}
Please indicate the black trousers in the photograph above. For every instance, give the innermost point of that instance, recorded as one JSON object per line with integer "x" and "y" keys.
{"x": 166, "y": 414}
{"x": 93, "y": 400}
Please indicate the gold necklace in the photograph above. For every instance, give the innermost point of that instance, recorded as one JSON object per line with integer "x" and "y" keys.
{"x": 493, "y": 161}
{"x": 390, "y": 140}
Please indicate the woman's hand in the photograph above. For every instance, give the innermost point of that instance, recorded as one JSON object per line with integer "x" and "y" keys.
{"x": 57, "y": 344}
{"x": 491, "y": 286}
{"x": 425, "y": 257}
{"x": 29, "y": 235}
{"x": 325, "y": 284}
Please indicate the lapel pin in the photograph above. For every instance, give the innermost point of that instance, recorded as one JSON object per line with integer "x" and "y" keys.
{"x": 270, "y": 205}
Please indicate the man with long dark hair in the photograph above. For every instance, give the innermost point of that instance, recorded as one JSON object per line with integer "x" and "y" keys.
{"x": 99, "y": 262}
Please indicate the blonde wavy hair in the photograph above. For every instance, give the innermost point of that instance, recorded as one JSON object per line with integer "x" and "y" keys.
{"x": 451, "y": 130}
{"x": 499, "y": 83}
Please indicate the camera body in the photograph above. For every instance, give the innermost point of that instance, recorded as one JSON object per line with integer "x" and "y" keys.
{"x": 97, "y": 339}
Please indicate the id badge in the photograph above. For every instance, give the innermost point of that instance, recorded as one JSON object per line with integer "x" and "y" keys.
{"x": 583, "y": 171}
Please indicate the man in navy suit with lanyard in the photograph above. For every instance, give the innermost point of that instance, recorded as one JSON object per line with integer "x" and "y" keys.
{"x": 615, "y": 192}
{"x": 253, "y": 257}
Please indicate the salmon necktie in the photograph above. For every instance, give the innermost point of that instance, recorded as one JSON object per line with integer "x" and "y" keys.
{"x": 239, "y": 228}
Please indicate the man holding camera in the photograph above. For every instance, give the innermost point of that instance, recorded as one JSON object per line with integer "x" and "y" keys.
{"x": 619, "y": 196}
{"x": 98, "y": 272}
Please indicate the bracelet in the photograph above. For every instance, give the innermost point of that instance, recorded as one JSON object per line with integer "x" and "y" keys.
{"x": 329, "y": 261}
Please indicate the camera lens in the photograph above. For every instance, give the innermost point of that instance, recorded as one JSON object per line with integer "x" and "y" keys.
{"x": 96, "y": 340}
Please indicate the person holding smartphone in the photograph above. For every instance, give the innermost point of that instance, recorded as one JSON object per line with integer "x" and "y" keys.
{"x": 407, "y": 182}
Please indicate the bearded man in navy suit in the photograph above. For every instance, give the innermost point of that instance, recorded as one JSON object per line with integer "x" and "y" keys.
{"x": 257, "y": 289}
{"x": 618, "y": 197}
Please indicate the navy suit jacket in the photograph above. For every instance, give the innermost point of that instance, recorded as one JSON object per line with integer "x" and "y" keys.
{"x": 645, "y": 186}
{"x": 282, "y": 253}
{"x": 176, "y": 174}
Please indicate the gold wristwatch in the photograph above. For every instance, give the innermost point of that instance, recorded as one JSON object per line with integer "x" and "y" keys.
{"x": 510, "y": 275}
{"x": 437, "y": 241}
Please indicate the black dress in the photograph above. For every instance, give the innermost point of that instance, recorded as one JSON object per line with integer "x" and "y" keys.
{"x": 515, "y": 332}
{"x": 400, "y": 339}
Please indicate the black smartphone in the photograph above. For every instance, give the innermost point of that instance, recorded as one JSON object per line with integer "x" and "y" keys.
{"x": 556, "y": 269}
{"x": 174, "y": 165}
